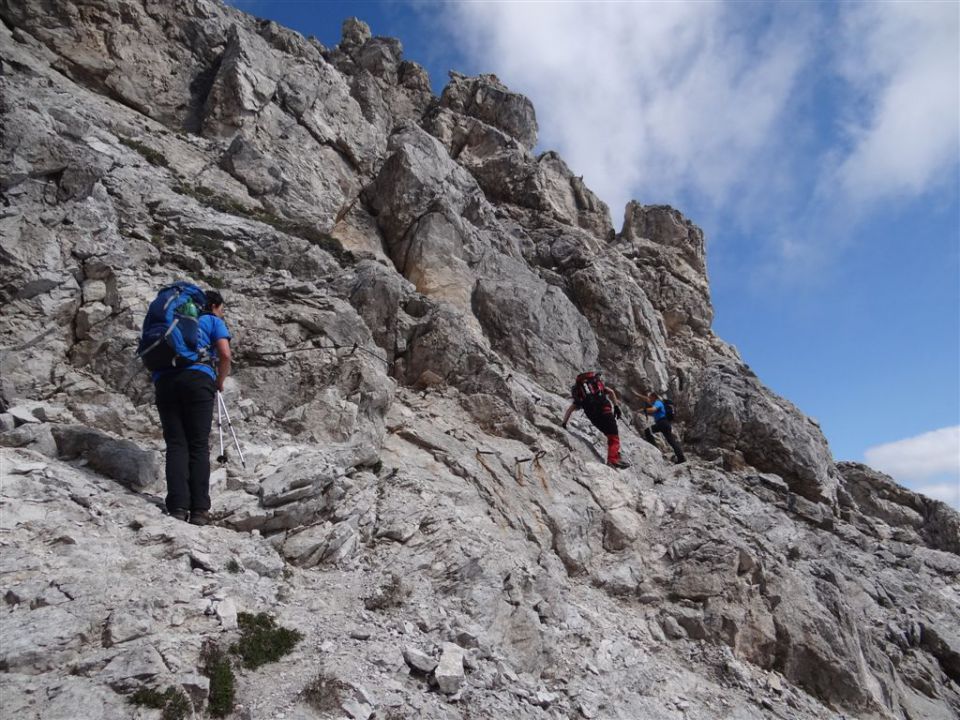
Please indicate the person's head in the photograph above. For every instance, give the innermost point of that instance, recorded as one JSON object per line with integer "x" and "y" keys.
{"x": 214, "y": 302}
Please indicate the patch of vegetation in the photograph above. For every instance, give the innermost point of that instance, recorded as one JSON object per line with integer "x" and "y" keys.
{"x": 213, "y": 281}
{"x": 202, "y": 242}
{"x": 173, "y": 702}
{"x": 393, "y": 593}
{"x": 154, "y": 157}
{"x": 325, "y": 693}
{"x": 233, "y": 567}
{"x": 215, "y": 664}
{"x": 208, "y": 198}
{"x": 262, "y": 640}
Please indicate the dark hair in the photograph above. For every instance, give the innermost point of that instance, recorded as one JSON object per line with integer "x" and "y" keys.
{"x": 213, "y": 298}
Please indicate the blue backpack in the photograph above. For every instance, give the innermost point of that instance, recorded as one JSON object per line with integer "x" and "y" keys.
{"x": 170, "y": 335}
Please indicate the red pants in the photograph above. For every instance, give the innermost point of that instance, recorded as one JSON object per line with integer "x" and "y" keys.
{"x": 606, "y": 423}
{"x": 613, "y": 448}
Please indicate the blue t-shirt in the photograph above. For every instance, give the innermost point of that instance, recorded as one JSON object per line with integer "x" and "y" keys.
{"x": 659, "y": 411}
{"x": 210, "y": 328}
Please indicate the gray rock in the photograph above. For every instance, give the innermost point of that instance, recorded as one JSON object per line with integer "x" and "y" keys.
{"x": 487, "y": 99}
{"x": 734, "y": 409}
{"x": 419, "y": 661}
{"x": 127, "y": 624}
{"x": 621, "y": 527}
{"x": 132, "y": 667}
{"x": 227, "y": 614}
{"x": 298, "y": 481}
{"x": 23, "y": 414}
{"x": 878, "y": 496}
{"x": 449, "y": 672}
{"x": 128, "y": 464}
{"x": 37, "y": 437}
{"x": 42, "y": 639}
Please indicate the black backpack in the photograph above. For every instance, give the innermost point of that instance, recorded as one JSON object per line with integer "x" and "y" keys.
{"x": 668, "y": 409}
{"x": 588, "y": 391}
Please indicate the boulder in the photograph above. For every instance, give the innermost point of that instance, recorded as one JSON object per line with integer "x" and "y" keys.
{"x": 449, "y": 672}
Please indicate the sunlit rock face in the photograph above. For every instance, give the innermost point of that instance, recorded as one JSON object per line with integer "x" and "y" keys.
{"x": 411, "y": 291}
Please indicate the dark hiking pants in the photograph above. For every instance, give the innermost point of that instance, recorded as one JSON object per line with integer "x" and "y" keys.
{"x": 666, "y": 429}
{"x": 605, "y": 422}
{"x": 185, "y": 403}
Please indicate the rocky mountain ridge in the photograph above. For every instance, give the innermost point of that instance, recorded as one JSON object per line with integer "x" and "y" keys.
{"x": 410, "y": 291}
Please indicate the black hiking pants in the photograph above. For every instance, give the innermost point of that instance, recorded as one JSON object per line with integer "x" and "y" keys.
{"x": 666, "y": 429}
{"x": 604, "y": 420}
{"x": 185, "y": 403}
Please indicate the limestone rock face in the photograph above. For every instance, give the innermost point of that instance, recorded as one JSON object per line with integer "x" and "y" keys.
{"x": 487, "y": 99}
{"x": 410, "y": 292}
{"x": 668, "y": 251}
{"x": 871, "y": 496}
{"x": 770, "y": 433}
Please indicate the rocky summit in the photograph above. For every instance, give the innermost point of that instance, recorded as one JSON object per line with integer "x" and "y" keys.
{"x": 411, "y": 290}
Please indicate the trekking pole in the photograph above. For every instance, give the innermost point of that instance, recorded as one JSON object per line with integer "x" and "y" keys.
{"x": 226, "y": 414}
{"x": 222, "y": 457}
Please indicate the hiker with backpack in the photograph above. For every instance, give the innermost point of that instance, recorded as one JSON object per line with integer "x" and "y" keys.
{"x": 186, "y": 344}
{"x": 602, "y": 407}
{"x": 662, "y": 412}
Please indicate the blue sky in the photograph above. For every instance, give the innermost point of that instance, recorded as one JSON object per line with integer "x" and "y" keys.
{"x": 817, "y": 144}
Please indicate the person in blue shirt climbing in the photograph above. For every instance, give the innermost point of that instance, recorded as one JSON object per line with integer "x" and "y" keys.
{"x": 185, "y": 398}
{"x": 662, "y": 423}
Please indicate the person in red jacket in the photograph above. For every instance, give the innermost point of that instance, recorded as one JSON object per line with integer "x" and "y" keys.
{"x": 602, "y": 407}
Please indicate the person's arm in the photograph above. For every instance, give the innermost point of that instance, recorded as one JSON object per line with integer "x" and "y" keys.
{"x": 615, "y": 399}
{"x": 644, "y": 408}
{"x": 568, "y": 413}
{"x": 223, "y": 361}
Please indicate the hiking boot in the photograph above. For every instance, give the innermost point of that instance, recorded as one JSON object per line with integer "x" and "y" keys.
{"x": 618, "y": 464}
{"x": 179, "y": 514}
{"x": 679, "y": 461}
{"x": 200, "y": 517}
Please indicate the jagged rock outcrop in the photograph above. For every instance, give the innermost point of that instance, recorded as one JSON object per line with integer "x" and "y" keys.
{"x": 410, "y": 292}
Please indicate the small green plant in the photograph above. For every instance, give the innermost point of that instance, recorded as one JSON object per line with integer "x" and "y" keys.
{"x": 325, "y": 693}
{"x": 215, "y": 664}
{"x": 393, "y": 593}
{"x": 262, "y": 640}
{"x": 233, "y": 567}
{"x": 173, "y": 702}
{"x": 154, "y": 157}
{"x": 213, "y": 281}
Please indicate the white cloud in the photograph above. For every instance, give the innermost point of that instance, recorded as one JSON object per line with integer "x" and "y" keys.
{"x": 790, "y": 118}
{"x": 648, "y": 100}
{"x": 919, "y": 457}
{"x": 901, "y": 61}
